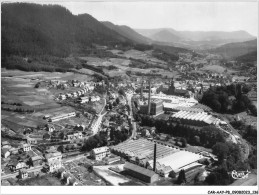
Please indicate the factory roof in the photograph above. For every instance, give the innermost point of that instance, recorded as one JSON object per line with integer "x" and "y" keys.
{"x": 139, "y": 169}
{"x": 177, "y": 160}
{"x": 196, "y": 116}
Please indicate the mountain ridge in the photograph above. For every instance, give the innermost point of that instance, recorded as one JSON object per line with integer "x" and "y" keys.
{"x": 128, "y": 32}
{"x": 197, "y": 39}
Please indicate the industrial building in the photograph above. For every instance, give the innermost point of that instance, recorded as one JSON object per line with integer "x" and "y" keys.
{"x": 195, "y": 118}
{"x": 141, "y": 173}
{"x": 63, "y": 116}
{"x": 156, "y": 107}
{"x": 167, "y": 159}
{"x": 171, "y": 102}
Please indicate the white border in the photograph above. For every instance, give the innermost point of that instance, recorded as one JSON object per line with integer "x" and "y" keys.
{"x": 128, "y": 189}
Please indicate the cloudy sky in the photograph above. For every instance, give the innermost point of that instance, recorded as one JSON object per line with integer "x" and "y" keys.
{"x": 193, "y": 16}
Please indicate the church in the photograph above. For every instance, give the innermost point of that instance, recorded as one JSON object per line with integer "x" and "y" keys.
{"x": 177, "y": 92}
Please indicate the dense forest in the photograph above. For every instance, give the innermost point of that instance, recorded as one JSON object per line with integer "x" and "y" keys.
{"x": 49, "y": 33}
{"x": 249, "y": 57}
{"x": 229, "y": 99}
{"x": 32, "y": 29}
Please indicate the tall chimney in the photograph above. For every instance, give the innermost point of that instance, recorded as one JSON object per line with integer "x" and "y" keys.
{"x": 141, "y": 89}
{"x": 154, "y": 160}
{"x": 149, "y": 98}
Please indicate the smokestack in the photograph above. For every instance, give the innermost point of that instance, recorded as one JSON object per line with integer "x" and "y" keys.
{"x": 149, "y": 98}
{"x": 141, "y": 90}
{"x": 154, "y": 160}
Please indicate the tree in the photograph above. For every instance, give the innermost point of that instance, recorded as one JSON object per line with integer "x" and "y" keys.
{"x": 122, "y": 92}
{"x": 114, "y": 103}
{"x": 184, "y": 142}
{"x": 246, "y": 88}
{"x": 110, "y": 106}
{"x": 196, "y": 139}
{"x": 181, "y": 177}
{"x": 117, "y": 100}
{"x": 221, "y": 150}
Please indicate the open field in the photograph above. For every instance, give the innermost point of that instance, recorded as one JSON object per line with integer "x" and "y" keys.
{"x": 217, "y": 69}
{"x": 122, "y": 64}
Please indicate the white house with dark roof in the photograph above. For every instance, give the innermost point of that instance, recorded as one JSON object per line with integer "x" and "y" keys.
{"x": 26, "y": 147}
{"x": 100, "y": 153}
{"x": 53, "y": 161}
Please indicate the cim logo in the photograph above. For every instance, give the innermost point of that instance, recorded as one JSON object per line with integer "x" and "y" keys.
{"x": 240, "y": 174}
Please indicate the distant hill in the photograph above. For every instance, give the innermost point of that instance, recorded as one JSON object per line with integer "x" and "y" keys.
{"x": 233, "y": 50}
{"x": 249, "y": 57}
{"x": 165, "y": 36}
{"x": 29, "y": 29}
{"x": 195, "y": 39}
{"x": 128, "y": 32}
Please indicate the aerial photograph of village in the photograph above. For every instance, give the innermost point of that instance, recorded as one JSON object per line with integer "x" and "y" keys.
{"x": 90, "y": 99}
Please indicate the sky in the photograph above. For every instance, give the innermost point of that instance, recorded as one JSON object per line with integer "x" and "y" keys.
{"x": 191, "y": 16}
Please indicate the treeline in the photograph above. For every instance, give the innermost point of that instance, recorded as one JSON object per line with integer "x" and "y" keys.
{"x": 15, "y": 107}
{"x": 94, "y": 68}
{"x": 249, "y": 57}
{"x": 36, "y": 64}
{"x": 161, "y": 55}
{"x": 218, "y": 99}
{"x": 204, "y": 136}
{"x": 247, "y": 132}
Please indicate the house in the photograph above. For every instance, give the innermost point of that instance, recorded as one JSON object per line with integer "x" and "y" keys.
{"x": 62, "y": 97}
{"x": 100, "y": 153}
{"x": 26, "y": 147}
{"x": 46, "y": 136}
{"x": 95, "y": 98}
{"x": 72, "y": 136}
{"x": 53, "y": 161}
{"x": 13, "y": 150}
{"x": 23, "y": 174}
{"x": 79, "y": 127}
{"x": 5, "y": 143}
{"x": 5, "y": 152}
{"x": 35, "y": 160}
{"x": 16, "y": 165}
{"x": 69, "y": 95}
{"x": 31, "y": 140}
{"x": 72, "y": 181}
{"x": 50, "y": 128}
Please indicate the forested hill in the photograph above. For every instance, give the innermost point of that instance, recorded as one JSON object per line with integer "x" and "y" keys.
{"x": 233, "y": 50}
{"x": 29, "y": 29}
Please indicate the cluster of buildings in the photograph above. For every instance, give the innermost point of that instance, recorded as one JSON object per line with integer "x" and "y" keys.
{"x": 74, "y": 94}
{"x": 147, "y": 159}
{"x": 87, "y": 99}
{"x": 20, "y": 158}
